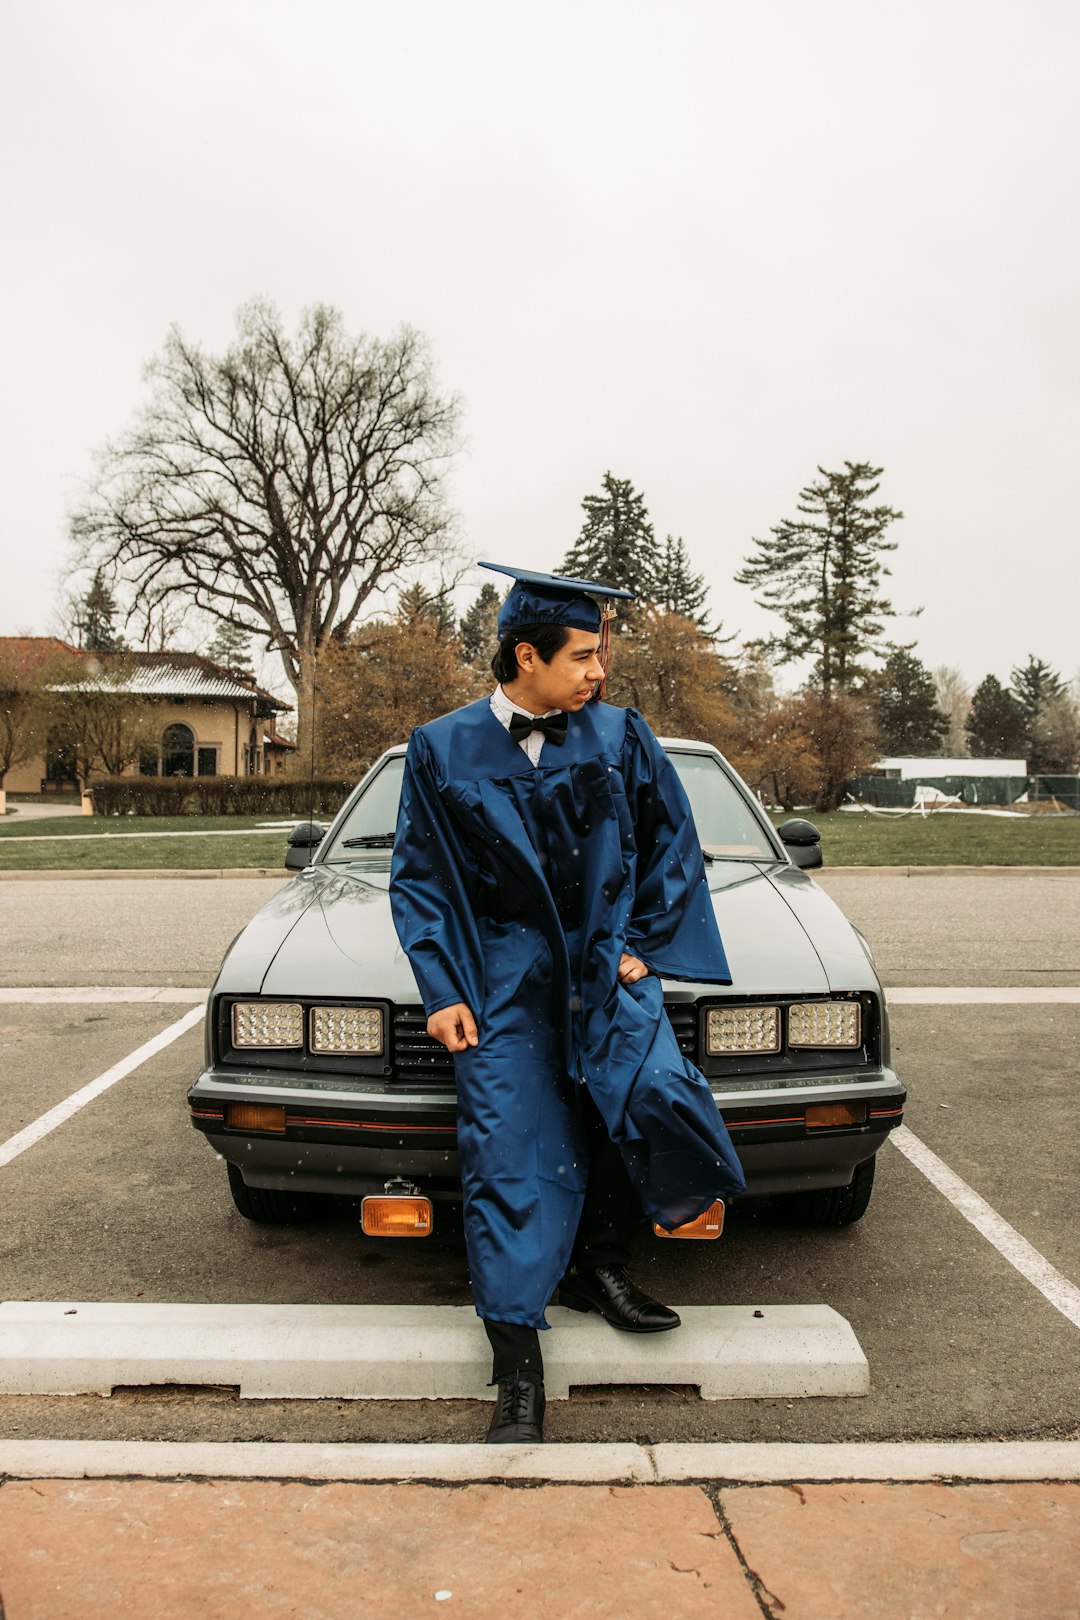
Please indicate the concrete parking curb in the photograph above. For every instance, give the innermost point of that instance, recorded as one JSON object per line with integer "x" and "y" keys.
{"x": 414, "y": 1352}
{"x": 948, "y": 871}
{"x": 755, "y": 1463}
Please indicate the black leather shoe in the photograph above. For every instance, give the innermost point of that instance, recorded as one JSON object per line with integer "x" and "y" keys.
{"x": 518, "y": 1419}
{"x": 608, "y": 1289}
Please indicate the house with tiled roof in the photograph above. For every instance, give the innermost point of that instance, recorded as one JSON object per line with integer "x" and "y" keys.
{"x": 213, "y": 722}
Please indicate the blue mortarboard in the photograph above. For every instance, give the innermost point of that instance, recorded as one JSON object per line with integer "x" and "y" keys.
{"x": 551, "y": 599}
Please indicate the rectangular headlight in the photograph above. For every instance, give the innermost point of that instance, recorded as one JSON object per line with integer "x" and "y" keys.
{"x": 729, "y": 1030}
{"x": 347, "y": 1029}
{"x": 825, "y": 1023}
{"x": 267, "y": 1023}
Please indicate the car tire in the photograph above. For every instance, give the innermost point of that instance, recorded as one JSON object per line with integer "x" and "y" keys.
{"x": 832, "y": 1206}
{"x": 264, "y": 1205}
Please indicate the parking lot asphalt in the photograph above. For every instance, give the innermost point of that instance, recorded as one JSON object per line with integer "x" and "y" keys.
{"x": 124, "y": 1202}
{"x": 1001, "y": 930}
{"x": 979, "y": 930}
{"x": 174, "y": 931}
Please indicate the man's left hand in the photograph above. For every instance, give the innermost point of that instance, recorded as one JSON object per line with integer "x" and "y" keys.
{"x": 631, "y": 969}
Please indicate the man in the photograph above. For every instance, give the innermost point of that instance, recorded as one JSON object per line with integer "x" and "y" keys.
{"x": 546, "y": 870}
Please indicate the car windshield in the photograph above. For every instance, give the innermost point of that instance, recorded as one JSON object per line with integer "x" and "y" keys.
{"x": 371, "y": 821}
{"x": 727, "y": 826}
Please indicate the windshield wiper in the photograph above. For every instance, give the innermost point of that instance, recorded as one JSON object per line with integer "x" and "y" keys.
{"x": 370, "y": 841}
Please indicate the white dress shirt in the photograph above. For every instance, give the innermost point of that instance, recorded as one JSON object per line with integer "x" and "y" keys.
{"x": 504, "y": 711}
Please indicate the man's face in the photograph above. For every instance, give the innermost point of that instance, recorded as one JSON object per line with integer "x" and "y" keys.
{"x": 567, "y": 682}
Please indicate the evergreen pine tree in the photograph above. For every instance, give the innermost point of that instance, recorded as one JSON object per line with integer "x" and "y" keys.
{"x": 95, "y": 615}
{"x": 616, "y": 545}
{"x": 906, "y": 708}
{"x": 478, "y": 625}
{"x": 231, "y": 648}
{"x": 1035, "y": 686}
{"x": 417, "y": 603}
{"x": 678, "y": 588}
{"x": 995, "y": 725}
{"x": 822, "y": 574}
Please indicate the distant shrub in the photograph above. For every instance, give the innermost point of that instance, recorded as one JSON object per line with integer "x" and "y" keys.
{"x": 217, "y": 796}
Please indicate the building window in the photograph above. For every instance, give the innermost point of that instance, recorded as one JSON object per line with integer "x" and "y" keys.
{"x": 59, "y": 763}
{"x": 178, "y": 750}
{"x": 208, "y": 765}
{"x": 148, "y": 762}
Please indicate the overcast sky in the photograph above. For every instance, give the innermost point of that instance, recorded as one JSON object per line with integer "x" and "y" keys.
{"x": 705, "y": 244}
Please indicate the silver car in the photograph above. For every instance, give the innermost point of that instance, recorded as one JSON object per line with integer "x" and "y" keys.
{"x": 320, "y": 1077}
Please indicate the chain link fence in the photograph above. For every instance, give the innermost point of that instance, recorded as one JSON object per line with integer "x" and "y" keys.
{"x": 885, "y": 792}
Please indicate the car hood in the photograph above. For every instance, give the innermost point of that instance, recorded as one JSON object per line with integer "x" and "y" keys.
{"x": 782, "y": 934}
{"x": 331, "y": 933}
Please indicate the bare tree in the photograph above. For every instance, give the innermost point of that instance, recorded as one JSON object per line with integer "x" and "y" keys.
{"x": 1057, "y": 735}
{"x": 780, "y": 759}
{"x": 954, "y": 701}
{"x": 22, "y": 721}
{"x": 279, "y": 486}
{"x": 165, "y": 628}
{"x": 391, "y": 675}
{"x": 95, "y": 721}
{"x": 670, "y": 670}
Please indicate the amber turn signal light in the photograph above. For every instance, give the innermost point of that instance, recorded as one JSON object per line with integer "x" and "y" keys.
{"x": 254, "y": 1117}
{"x": 840, "y": 1113}
{"x": 709, "y": 1225}
{"x": 396, "y": 1217}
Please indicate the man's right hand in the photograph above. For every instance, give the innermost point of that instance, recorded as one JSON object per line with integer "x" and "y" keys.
{"x": 453, "y": 1027}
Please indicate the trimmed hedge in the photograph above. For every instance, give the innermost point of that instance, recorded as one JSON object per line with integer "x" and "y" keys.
{"x": 217, "y": 796}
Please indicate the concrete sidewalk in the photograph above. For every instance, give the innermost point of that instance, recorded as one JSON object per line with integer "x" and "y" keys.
{"x": 40, "y": 812}
{"x": 173, "y": 1548}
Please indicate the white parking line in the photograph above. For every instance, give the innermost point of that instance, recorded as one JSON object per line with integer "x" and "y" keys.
{"x": 71, "y": 1105}
{"x": 1063, "y": 1295}
{"x": 97, "y": 994}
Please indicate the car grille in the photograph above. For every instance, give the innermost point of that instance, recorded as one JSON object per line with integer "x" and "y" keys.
{"x": 416, "y": 1055}
{"x": 684, "y": 1021}
{"x": 418, "y": 1060}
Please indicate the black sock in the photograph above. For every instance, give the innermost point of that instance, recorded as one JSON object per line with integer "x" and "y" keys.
{"x": 514, "y": 1349}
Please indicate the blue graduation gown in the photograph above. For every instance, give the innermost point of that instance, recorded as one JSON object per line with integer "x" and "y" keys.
{"x": 515, "y": 889}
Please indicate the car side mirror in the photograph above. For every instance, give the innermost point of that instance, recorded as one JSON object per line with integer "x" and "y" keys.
{"x": 802, "y": 840}
{"x": 303, "y": 841}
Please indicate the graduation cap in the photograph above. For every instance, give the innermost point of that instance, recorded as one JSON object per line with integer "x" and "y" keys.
{"x": 553, "y": 599}
{"x": 557, "y": 599}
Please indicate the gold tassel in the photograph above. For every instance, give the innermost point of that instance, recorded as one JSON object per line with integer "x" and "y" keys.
{"x": 607, "y": 615}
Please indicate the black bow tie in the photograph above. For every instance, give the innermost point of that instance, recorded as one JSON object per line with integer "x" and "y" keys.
{"x": 553, "y": 726}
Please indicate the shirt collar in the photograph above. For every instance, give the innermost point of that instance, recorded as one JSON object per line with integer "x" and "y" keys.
{"x": 505, "y": 709}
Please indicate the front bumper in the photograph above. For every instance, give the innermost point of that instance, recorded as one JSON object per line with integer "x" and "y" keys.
{"x": 350, "y": 1139}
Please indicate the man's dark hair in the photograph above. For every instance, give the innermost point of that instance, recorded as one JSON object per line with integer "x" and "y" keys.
{"x": 546, "y": 638}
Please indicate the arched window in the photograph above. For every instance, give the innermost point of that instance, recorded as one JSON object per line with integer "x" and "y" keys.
{"x": 178, "y": 750}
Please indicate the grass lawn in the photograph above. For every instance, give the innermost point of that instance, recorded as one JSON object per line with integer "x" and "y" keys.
{"x": 91, "y": 843}
{"x": 947, "y": 840}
